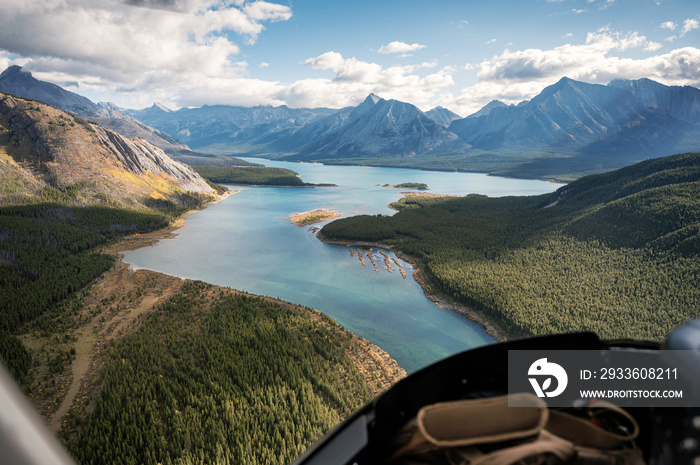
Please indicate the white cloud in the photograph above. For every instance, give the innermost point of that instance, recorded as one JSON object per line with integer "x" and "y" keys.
{"x": 652, "y": 46}
{"x": 577, "y": 12}
{"x": 689, "y": 25}
{"x": 491, "y": 41}
{"x": 346, "y": 70}
{"x": 399, "y": 47}
{"x": 148, "y": 45}
{"x": 603, "y": 4}
{"x": 264, "y": 11}
{"x": 355, "y": 79}
{"x": 520, "y": 75}
{"x": 264, "y": 65}
{"x": 567, "y": 35}
{"x": 670, "y": 25}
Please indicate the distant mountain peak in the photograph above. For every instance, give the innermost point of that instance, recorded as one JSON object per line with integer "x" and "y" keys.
{"x": 161, "y": 107}
{"x": 488, "y": 108}
{"x": 563, "y": 83}
{"x": 442, "y": 115}
{"x": 368, "y": 105}
{"x": 109, "y": 106}
{"x": 373, "y": 98}
{"x": 12, "y": 70}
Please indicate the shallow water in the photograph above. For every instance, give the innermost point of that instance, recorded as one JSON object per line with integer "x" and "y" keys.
{"x": 247, "y": 242}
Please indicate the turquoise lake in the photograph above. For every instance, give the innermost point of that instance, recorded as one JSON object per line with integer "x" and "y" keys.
{"x": 247, "y": 242}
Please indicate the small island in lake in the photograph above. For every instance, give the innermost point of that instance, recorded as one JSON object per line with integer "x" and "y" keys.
{"x": 408, "y": 185}
{"x": 315, "y": 216}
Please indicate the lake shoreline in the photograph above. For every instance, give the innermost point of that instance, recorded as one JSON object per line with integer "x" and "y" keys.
{"x": 442, "y": 301}
{"x": 370, "y": 357}
{"x": 247, "y": 242}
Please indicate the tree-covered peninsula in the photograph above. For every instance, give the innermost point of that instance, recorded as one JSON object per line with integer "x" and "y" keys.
{"x": 615, "y": 253}
{"x": 252, "y": 175}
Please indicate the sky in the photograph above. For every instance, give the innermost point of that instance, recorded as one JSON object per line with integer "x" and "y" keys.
{"x": 326, "y": 53}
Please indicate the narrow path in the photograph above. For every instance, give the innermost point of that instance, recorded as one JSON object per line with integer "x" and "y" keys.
{"x": 131, "y": 295}
{"x": 83, "y": 356}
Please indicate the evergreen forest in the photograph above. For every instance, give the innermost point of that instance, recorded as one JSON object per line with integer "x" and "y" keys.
{"x": 216, "y": 377}
{"x": 616, "y": 253}
{"x": 250, "y": 175}
{"x": 48, "y": 253}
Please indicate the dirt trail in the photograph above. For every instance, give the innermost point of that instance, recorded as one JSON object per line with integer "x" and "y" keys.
{"x": 116, "y": 304}
{"x": 83, "y": 349}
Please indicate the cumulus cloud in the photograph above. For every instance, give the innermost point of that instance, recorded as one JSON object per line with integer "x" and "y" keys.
{"x": 354, "y": 79}
{"x": 140, "y": 44}
{"x": 264, "y": 11}
{"x": 399, "y": 47}
{"x": 514, "y": 76}
{"x": 689, "y": 25}
{"x": 186, "y": 53}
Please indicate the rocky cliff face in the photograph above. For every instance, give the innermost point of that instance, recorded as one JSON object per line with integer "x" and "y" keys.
{"x": 43, "y": 148}
{"x": 140, "y": 157}
{"x": 681, "y": 102}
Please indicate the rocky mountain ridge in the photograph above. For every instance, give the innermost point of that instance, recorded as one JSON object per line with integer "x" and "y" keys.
{"x": 225, "y": 125}
{"x": 378, "y": 128}
{"x": 14, "y": 80}
{"x": 47, "y": 153}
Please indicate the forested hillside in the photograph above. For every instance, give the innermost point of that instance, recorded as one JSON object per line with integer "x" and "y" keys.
{"x": 617, "y": 253}
{"x": 47, "y": 253}
{"x": 209, "y": 376}
{"x": 214, "y": 377}
{"x": 254, "y": 175}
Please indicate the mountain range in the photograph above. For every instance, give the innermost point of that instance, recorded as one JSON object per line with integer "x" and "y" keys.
{"x": 226, "y": 127}
{"x": 570, "y": 129}
{"x": 625, "y": 120}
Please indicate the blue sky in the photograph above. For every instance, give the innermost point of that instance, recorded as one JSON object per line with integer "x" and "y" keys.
{"x": 304, "y": 53}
